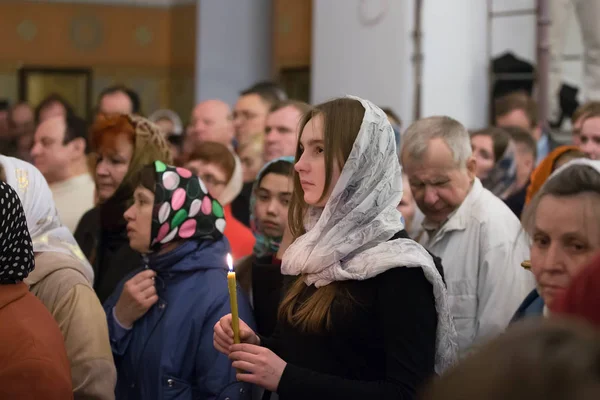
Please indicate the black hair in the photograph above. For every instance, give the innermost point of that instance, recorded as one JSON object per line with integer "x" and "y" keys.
{"x": 146, "y": 178}
{"x": 270, "y": 92}
{"x": 278, "y": 167}
{"x": 76, "y": 128}
{"x": 4, "y": 105}
{"x": 50, "y": 100}
{"x": 134, "y": 98}
{"x": 176, "y": 140}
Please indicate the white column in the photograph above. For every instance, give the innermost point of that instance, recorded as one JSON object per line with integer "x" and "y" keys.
{"x": 455, "y": 77}
{"x": 374, "y": 61}
{"x": 233, "y": 47}
{"x": 350, "y": 56}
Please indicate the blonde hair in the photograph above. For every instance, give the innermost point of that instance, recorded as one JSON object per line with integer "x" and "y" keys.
{"x": 585, "y": 109}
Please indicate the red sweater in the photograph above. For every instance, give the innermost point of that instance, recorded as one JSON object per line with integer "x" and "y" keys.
{"x": 239, "y": 235}
{"x": 34, "y": 362}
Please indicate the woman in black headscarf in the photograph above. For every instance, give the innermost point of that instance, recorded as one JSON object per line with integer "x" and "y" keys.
{"x": 32, "y": 352}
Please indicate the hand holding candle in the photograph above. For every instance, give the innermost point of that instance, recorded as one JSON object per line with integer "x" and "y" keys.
{"x": 223, "y": 335}
{"x": 235, "y": 318}
{"x": 230, "y": 326}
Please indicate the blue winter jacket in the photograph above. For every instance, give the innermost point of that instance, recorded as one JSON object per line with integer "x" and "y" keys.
{"x": 532, "y": 306}
{"x": 169, "y": 352}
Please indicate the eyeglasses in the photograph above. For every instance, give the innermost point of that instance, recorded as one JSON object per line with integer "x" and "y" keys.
{"x": 244, "y": 115}
{"x": 210, "y": 180}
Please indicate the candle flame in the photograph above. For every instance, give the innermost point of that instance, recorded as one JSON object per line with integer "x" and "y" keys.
{"x": 230, "y": 262}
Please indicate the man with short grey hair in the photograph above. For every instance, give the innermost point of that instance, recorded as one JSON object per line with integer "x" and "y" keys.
{"x": 477, "y": 236}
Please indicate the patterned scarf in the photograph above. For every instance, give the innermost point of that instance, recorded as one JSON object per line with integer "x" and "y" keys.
{"x": 183, "y": 209}
{"x": 503, "y": 175}
{"x": 264, "y": 245}
{"x": 16, "y": 249}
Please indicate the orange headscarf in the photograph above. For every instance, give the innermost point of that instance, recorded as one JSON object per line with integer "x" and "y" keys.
{"x": 543, "y": 171}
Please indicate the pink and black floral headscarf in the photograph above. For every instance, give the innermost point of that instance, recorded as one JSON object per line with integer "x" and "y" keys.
{"x": 183, "y": 209}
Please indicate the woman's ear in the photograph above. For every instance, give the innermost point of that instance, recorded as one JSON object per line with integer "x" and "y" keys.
{"x": 78, "y": 145}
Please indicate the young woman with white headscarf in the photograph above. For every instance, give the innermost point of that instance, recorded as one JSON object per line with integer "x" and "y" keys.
{"x": 367, "y": 316}
{"x": 62, "y": 280}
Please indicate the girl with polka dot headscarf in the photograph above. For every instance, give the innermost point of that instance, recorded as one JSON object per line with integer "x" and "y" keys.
{"x": 183, "y": 208}
{"x": 162, "y": 315}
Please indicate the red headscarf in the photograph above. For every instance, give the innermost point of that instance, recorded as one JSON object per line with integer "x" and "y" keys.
{"x": 582, "y": 298}
{"x": 543, "y": 171}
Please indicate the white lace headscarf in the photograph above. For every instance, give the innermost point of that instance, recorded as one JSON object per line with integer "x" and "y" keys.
{"x": 235, "y": 184}
{"x": 45, "y": 228}
{"x": 348, "y": 239}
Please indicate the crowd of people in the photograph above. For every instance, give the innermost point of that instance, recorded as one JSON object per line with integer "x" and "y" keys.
{"x": 372, "y": 261}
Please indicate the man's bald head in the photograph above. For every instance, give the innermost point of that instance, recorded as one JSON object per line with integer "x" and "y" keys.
{"x": 216, "y": 106}
{"x": 211, "y": 122}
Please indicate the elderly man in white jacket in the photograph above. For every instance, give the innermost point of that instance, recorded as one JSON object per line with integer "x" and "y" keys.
{"x": 478, "y": 238}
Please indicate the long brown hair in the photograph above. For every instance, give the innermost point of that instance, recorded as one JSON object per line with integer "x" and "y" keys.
{"x": 342, "y": 119}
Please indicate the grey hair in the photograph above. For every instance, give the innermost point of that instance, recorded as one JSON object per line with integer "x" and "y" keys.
{"x": 572, "y": 181}
{"x": 416, "y": 139}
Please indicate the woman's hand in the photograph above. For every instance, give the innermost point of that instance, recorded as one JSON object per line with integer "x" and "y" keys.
{"x": 286, "y": 241}
{"x": 260, "y": 365}
{"x": 223, "y": 336}
{"x": 138, "y": 295}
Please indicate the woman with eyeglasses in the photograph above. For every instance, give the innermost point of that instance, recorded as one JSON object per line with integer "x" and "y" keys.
{"x": 221, "y": 172}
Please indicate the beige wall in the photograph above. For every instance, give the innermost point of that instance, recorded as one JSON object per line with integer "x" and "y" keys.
{"x": 292, "y": 36}
{"x": 150, "y": 49}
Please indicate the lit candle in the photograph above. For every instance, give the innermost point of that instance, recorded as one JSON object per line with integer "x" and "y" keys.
{"x": 235, "y": 318}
